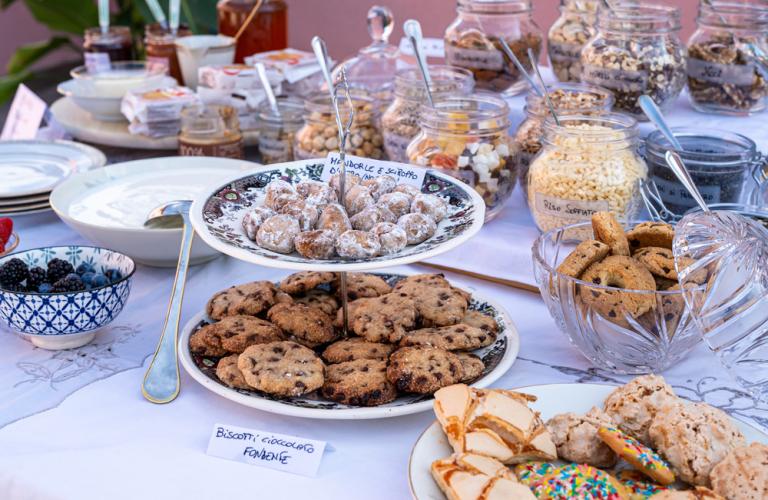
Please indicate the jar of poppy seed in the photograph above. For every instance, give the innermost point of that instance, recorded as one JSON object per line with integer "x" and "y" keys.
{"x": 726, "y": 167}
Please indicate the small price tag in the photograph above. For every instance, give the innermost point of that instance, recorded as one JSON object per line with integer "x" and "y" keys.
{"x": 24, "y": 117}
{"x": 266, "y": 449}
{"x": 366, "y": 168}
{"x": 431, "y": 47}
{"x": 97, "y": 62}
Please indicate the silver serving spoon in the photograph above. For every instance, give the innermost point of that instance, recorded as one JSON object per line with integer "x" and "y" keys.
{"x": 678, "y": 167}
{"x": 551, "y": 106}
{"x": 412, "y": 29}
{"x": 262, "y": 72}
{"x": 654, "y": 114}
{"x": 521, "y": 68}
{"x": 161, "y": 382}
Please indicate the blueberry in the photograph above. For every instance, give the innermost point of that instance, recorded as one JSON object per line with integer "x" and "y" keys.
{"x": 45, "y": 288}
{"x": 87, "y": 278}
{"x": 85, "y": 268}
{"x": 98, "y": 280}
{"x": 113, "y": 275}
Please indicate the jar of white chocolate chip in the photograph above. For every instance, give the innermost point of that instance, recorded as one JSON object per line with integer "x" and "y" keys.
{"x": 277, "y": 133}
{"x": 723, "y": 75}
{"x": 400, "y": 122}
{"x": 320, "y": 135}
{"x": 636, "y": 51}
{"x": 588, "y": 164}
{"x": 467, "y": 137}
{"x": 568, "y": 35}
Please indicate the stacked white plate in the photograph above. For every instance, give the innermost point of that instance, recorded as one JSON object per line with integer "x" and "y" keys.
{"x": 29, "y": 170}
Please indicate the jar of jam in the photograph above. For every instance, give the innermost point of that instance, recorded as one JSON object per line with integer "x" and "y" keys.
{"x": 101, "y": 48}
{"x": 211, "y": 131}
{"x": 161, "y": 49}
{"x": 268, "y": 30}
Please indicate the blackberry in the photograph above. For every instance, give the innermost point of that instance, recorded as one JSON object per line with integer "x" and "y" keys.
{"x": 58, "y": 269}
{"x": 84, "y": 268}
{"x": 113, "y": 275}
{"x": 37, "y": 277}
{"x": 13, "y": 272}
{"x": 70, "y": 283}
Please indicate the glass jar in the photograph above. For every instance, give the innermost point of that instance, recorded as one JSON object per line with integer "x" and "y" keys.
{"x": 472, "y": 42}
{"x": 320, "y": 135}
{"x": 588, "y": 164}
{"x": 468, "y": 137}
{"x": 722, "y": 76}
{"x": 277, "y": 133}
{"x": 568, "y": 35}
{"x": 400, "y": 122}
{"x": 268, "y": 30}
{"x": 636, "y": 52}
{"x": 102, "y": 48}
{"x": 211, "y": 131}
{"x": 160, "y": 44}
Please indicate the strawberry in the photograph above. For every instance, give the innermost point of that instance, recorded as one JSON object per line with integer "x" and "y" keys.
{"x": 6, "y": 228}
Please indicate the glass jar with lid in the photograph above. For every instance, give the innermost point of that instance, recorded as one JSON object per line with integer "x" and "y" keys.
{"x": 100, "y": 47}
{"x": 637, "y": 51}
{"x": 211, "y": 131}
{"x": 268, "y": 30}
{"x": 472, "y": 42}
{"x": 277, "y": 133}
{"x": 723, "y": 75}
{"x": 400, "y": 122}
{"x": 567, "y": 98}
{"x": 160, "y": 44}
{"x": 468, "y": 137}
{"x": 568, "y": 35}
{"x": 319, "y": 135}
{"x": 588, "y": 164}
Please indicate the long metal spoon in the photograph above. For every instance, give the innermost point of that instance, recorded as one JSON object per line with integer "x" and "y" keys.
{"x": 262, "y": 71}
{"x": 521, "y": 68}
{"x": 412, "y": 29}
{"x": 551, "y": 106}
{"x": 654, "y": 114}
{"x": 678, "y": 167}
{"x": 161, "y": 382}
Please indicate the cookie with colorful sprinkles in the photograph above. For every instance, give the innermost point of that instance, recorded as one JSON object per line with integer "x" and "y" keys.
{"x": 639, "y": 485}
{"x": 531, "y": 473}
{"x": 580, "y": 481}
{"x": 637, "y": 454}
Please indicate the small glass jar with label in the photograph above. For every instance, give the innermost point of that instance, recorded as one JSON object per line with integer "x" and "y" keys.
{"x": 400, "y": 122}
{"x": 100, "y": 48}
{"x": 320, "y": 135}
{"x": 723, "y": 75}
{"x": 568, "y": 35}
{"x": 472, "y": 41}
{"x": 588, "y": 164}
{"x": 637, "y": 51}
{"x": 211, "y": 131}
{"x": 468, "y": 137}
{"x": 160, "y": 45}
{"x": 277, "y": 134}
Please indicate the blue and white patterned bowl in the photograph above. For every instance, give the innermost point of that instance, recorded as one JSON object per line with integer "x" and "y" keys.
{"x": 70, "y": 319}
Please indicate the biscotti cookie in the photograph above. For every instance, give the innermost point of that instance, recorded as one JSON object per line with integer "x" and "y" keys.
{"x": 355, "y": 348}
{"x": 451, "y": 338}
{"x": 584, "y": 255}
{"x": 637, "y": 454}
{"x": 608, "y": 230}
{"x": 576, "y": 438}
{"x": 250, "y": 298}
{"x": 362, "y": 382}
{"x": 282, "y": 368}
{"x": 651, "y": 234}
{"x": 321, "y": 300}
{"x": 743, "y": 473}
{"x": 207, "y": 342}
{"x": 238, "y": 332}
{"x": 383, "y": 319}
{"x": 634, "y": 405}
{"x": 481, "y": 320}
{"x": 307, "y": 325}
{"x": 620, "y": 272}
{"x": 303, "y": 281}
{"x": 360, "y": 285}
{"x": 471, "y": 366}
{"x": 230, "y": 374}
{"x": 423, "y": 370}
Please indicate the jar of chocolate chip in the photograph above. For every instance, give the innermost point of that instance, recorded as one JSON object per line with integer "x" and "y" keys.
{"x": 568, "y": 35}
{"x": 277, "y": 133}
{"x": 723, "y": 75}
{"x": 637, "y": 51}
{"x": 400, "y": 122}
{"x": 472, "y": 41}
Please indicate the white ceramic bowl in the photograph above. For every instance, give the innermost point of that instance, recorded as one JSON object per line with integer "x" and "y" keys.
{"x": 119, "y": 78}
{"x": 106, "y": 109}
{"x": 203, "y": 50}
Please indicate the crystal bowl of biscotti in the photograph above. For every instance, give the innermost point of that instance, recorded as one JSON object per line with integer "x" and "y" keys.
{"x": 617, "y": 296}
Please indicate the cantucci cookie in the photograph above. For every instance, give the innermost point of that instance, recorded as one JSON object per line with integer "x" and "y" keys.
{"x": 467, "y": 476}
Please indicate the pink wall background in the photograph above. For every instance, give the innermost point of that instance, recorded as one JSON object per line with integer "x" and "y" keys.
{"x": 340, "y": 22}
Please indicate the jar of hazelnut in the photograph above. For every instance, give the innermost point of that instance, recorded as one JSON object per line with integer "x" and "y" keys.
{"x": 568, "y": 35}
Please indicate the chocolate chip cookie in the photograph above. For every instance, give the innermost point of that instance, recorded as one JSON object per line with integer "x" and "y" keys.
{"x": 471, "y": 366}
{"x": 283, "y": 369}
{"x": 206, "y": 341}
{"x": 620, "y": 272}
{"x": 360, "y": 285}
{"x": 230, "y": 374}
{"x": 250, "y": 298}
{"x": 355, "y": 348}
{"x": 362, "y": 382}
{"x": 482, "y": 321}
{"x": 459, "y": 337}
{"x": 321, "y": 300}
{"x": 303, "y": 281}
{"x": 659, "y": 261}
{"x": 608, "y": 230}
{"x": 239, "y": 332}
{"x": 438, "y": 305}
{"x": 651, "y": 234}
{"x": 383, "y": 319}
{"x": 423, "y": 370}
{"x": 584, "y": 255}
{"x": 308, "y": 325}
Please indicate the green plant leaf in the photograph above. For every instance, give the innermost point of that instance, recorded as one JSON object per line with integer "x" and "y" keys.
{"x": 70, "y": 16}
{"x": 8, "y": 84}
{"x": 27, "y": 55}
{"x": 200, "y": 15}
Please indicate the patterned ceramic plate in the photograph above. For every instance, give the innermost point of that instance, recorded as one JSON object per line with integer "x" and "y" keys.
{"x": 498, "y": 358}
{"x": 217, "y": 219}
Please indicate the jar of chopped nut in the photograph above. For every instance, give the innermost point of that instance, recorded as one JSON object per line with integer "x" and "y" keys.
{"x": 320, "y": 135}
{"x": 567, "y": 98}
{"x": 467, "y": 137}
{"x": 400, "y": 122}
{"x": 568, "y": 35}
{"x": 472, "y": 42}
{"x": 637, "y": 51}
{"x": 588, "y": 164}
{"x": 723, "y": 76}
{"x": 277, "y": 133}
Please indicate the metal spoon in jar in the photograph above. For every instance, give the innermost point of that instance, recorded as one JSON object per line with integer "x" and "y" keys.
{"x": 654, "y": 114}
{"x": 551, "y": 106}
{"x": 412, "y": 29}
{"x": 512, "y": 57}
{"x": 262, "y": 71}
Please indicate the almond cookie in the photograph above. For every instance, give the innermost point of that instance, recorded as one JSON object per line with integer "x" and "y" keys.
{"x": 620, "y": 272}
{"x": 303, "y": 212}
{"x": 608, "y": 230}
{"x": 693, "y": 438}
{"x": 418, "y": 227}
{"x": 278, "y": 193}
{"x": 321, "y": 300}
{"x": 423, "y": 370}
{"x": 580, "y": 481}
{"x": 391, "y": 237}
{"x": 639, "y": 485}
{"x": 634, "y": 405}
{"x": 230, "y": 374}
{"x": 355, "y": 348}
{"x": 370, "y": 216}
{"x": 278, "y": 233}
{"x": 482, "y": 321}
{"x": 651, "y": 234}
{"x": 308, "y": 325}
{"x": 207, "y": 342}
{"x": 408, "y": 190}
{"x": 334, "y": 218}
{"x": 349, "y": 181}
{"x": 383, "y": 319}
{"x": 283, "y": 369}
{"x": 361, "y": 285}
{"x": 430, "y": 205}
{"x": 472, "y": 367}
{"x": 698, "y": 493}
{"x": 304, "y": 281}
{"x": 250, "y": 298}
{"x": 355, "y": 244}
{"x": 319, "y": 244}
{"x": 316, "y": 192}
{"x": 458, "y": 337}
{"x": 357, "y": 199}
{"x": 381, "y": 185}
{"x": 439, "y": 304}
{"x": 743, "y": 473}
{"x": 577, "y": 441}
{"x": 584, "y": 255}
{"x": 397, "y": 203}
{"x": 238, "y": 332}
{"x": 362, "y": 382}
{"x": 637, "y": 454}
{"x": 254, "y": 218}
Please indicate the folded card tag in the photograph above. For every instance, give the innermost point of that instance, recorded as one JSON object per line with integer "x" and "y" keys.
{"x": 266, "y": 449}
{"x": 431, "y": 47}
{"x": 366, "y": 168}
{"x": 25, "y": 115}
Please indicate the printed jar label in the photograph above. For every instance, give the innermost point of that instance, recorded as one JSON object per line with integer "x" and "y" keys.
{"x": 158, "y": 62}
{"x": 616, "y": 79}
{"x": 232, "y": 149}
{"x": 576, "y": 209}
{"x": 566, "y": 52}
{"x": 396, "y": 146}
{"x": 474, "y": 59}
{"x": 675, "y": 194}
{"x": 97, "y": 61}
{"x": 734, "y": 74}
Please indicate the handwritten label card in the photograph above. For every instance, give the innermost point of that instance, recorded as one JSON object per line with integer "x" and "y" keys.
{"x": 366, "y": 168}
{"x": 24, "y": 117}
{"x": 431, "y": 47}
{"x": 266, "y": 449}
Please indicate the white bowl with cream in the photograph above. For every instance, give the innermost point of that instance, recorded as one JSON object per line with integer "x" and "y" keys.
{"x": 203, "y": 50}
